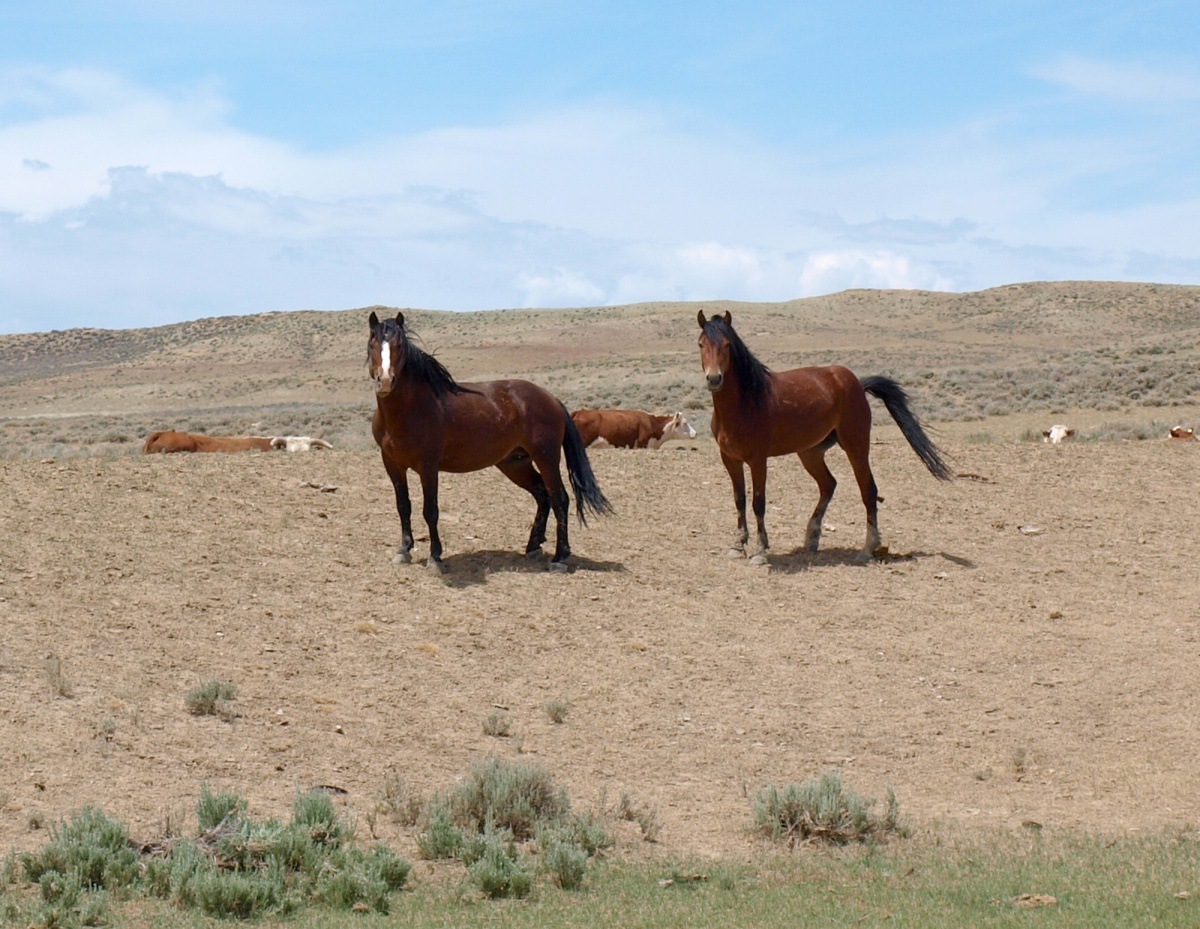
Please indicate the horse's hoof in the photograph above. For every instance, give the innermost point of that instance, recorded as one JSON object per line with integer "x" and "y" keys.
{"x": 759, "y": 559}
{"x": 534, "y": 554}
{"x": 435, "y": 567}
{"x": 402, "y": 558}
{"x": 558, "y": 566}
{"x": 735, "y": 553}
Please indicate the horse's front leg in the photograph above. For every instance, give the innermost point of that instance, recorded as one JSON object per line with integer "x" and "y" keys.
{"x": 737, "y": 476}
{"x": 429, "y": 509}
{"x": 758, "y": 476}
{"x": 404, "y": 508}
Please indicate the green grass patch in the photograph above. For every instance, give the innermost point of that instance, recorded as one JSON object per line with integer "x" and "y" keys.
{"x": 928, "y": 882}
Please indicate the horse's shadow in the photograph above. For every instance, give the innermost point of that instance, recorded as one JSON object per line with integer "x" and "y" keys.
{"x": 800, "y": 560}
{"x": 470, "y": 569}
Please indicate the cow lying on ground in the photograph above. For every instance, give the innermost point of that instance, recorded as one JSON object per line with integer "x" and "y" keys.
{"x": 1182, "y": 433}
{"x": 299, "y": 443}
{"x": 168, "y": 442}
{"x": 629, "y": 428}
{"x": 1057, "y": 433}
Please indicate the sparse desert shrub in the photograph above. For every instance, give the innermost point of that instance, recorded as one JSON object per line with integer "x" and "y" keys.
{"x": 556, "y": 710}
{"x": 92, "y": 848}
{"x": 511, "y": 796}
{"x": 498, "y": 725}
{"x": 500, "y": 870}
{"x": 646, "y": 817}
{"x": 442, "y": 839}
{"x": 565, "y": 862}
{"x": 212, "y": 698}
{"x": 213, "y": 809}
{"x": 57, "y": 678}
{"x": 398, "y": 802}
{"x": 823, "y": 811}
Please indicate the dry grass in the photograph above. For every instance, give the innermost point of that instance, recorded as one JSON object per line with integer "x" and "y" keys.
{"x": 1024, "y": 349}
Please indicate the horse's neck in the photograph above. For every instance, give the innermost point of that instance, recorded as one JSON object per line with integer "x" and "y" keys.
{"x": 732, "y": 400}
{"x": 409, "y": 400}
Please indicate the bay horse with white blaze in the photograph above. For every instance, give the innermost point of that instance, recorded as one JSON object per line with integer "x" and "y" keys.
{"x": 759, "y": 413}
{"x": 428, "y": 422}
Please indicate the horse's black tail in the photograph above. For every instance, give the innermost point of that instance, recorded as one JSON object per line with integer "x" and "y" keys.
{"x": 896, "y": 401}
{"x": 588, "y": 495}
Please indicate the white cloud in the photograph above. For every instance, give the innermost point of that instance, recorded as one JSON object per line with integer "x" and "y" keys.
{"x": 129, "y": 207}
{"x": 1123, "y": 82}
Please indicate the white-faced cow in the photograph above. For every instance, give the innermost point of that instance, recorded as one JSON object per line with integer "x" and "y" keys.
{"x": 169, "y": 442}
{"x": 1182, "y": 433}
{"x": 1057, "y": 433}
{"x": 299, "y": 443}
{"x": 630, "y": 428}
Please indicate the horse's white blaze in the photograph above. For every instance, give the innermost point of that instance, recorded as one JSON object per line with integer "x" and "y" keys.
{"x": 385, "y": 361}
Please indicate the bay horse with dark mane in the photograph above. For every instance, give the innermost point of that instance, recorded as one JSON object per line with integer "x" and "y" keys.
{"x": 428, "y": 422}
{"x": 759, "y": 413}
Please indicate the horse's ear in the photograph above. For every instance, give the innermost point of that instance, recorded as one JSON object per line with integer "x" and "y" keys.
{"x": 400, "y": 319}
{"x": 374, "y": 320}
{"x": 700, "y": 318}
{"x": 728, "y": 318}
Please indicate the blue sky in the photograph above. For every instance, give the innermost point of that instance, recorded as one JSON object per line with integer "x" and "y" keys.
{"x": 162, "y": 161}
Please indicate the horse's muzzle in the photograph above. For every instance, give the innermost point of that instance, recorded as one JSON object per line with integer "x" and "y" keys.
{"x": 715, "y": 381}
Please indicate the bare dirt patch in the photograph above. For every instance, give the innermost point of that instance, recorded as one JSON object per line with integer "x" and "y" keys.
{"x": 1028, "y": 652}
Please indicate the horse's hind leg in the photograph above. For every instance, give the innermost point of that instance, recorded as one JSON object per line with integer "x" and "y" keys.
{"x": 547, "y": 464}
{"x": 758, "y": 476}
{"x": 814, "y": 463}
{"x": 861, "y": 464}
{"x": 520, "y": 470}
{"x": 429, "y": 509}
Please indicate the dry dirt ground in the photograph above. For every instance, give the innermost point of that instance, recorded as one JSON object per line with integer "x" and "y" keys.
{"x": 1027, "y": 653}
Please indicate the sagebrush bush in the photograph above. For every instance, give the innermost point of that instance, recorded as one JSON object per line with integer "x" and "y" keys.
{"x": 212, "y": 698}
{"x": 498, "y": 869}
{"x": 212, "y": 809}
{"x": 441, "y": 839}
{"x": 511, "y": 796}
{"x": 92, "y": 847}
{"x": 399, "y": 802}
{"x": 236, "y": 867}
{"x": 823, "y": 810}
{"x": 563, "y": 860}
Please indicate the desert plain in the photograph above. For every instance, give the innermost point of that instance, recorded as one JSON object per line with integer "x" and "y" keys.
{"x": 1023, "y": 657}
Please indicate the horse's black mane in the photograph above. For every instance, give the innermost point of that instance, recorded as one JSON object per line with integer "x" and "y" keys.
{"x": 752, "y": 374}
{"x": 419, "y": 365}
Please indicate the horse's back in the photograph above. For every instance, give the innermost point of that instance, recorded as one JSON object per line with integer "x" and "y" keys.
{"x": 477, "y": 427}
{"x": 803, "y": 408}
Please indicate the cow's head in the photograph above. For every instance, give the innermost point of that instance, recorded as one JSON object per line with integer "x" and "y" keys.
{"x": 299, "y": 443}
{"x": 1057, "y": 433}
{"x": 678, "y": 427}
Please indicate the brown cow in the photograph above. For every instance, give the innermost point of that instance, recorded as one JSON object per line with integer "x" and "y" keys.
{"x": 164, "y": 443}
{"x": 629, "y": 428}
{"x": 1182, "y": 433}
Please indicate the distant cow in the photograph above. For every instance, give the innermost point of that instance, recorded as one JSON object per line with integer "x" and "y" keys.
{"x": 168, "y": 442}
{"x": 299, "y": 443}
{"x": 1057, "y": 433}
{"x": 629, "y": 428}
{"x": 1182, "y": 433}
